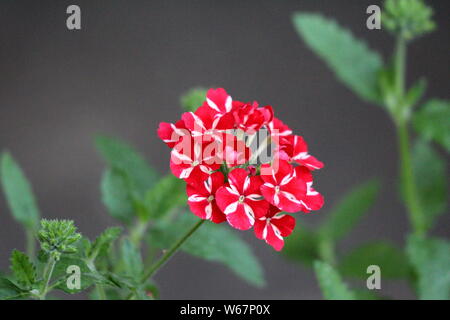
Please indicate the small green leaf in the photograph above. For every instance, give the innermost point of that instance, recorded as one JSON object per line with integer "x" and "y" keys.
{"x": 351, "y": 60}
{"x": 116, "y": 195}
{"x": 9, "y": 291}
{"x": 432, "y": 121}
{"x": 167, "y": 194}
{"x": 210, "y": 242}
{"x": 415, "y": 93}
{"x": 391, "y": 260}
{"x": 193, "y": 99}
{"x": 431, "y": 260}
{"x": 302, "y": 246}
{"x": 132, "y": 260}
{"x": 431, "y": 178}
{"x": 23, "y": 269}
{"x": 18, "y": 192}
{"x": 104, "y": 241}
{"x": 121, "y": 156}
{"x": 348, "y": 212}
{"x": 331, "y": 284}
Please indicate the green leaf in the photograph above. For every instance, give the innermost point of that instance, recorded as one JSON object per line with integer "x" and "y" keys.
{"x": 167, "y": 194}
{"x": 415, "y": 93}
{"x": 350, "y": 59}
{"x": 116, "y": 195}
{"x": 431, "y": 260}
{"x": 9, "y": 291}
{"x": 193, "y": 99}
{"x": 23, "y": 269}
{"x": 119, "y": 155}
{"x": 391, "y": 260}
{"x": 348, "y": 212}
{"x": 331, "y": 284}
{"x": 302, "y": 246}
{"x": 430, "y": 173}
{"x": 104, "y": 241}
{"x": 62, "y": 272}
{"x": 432, "y": 121}
{"x": 19, "y": 195}
{"x": 132, "y": 260}
{"x": 210, "y": 242}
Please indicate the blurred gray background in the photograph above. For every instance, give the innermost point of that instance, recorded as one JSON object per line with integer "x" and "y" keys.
{"x": 123, "y": 73}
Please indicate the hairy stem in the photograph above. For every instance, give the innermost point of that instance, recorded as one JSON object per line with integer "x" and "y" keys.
{"x": 30, "y": 243}
{"x": 48, "y": 271}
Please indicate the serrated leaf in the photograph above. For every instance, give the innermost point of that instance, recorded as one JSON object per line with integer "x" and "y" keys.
{"x": 302, "y": 246}
{"x": 62, "y": 272}
{"x": 132, "y": 260}
{"x": 192, "y": 99}
{"x": 350, "y": 59}
{"x": 18, "y": 192}
{"x": 168, "y": 193}
{"x": 432, "y": 121}
{"x": 432, "y": 182}
{"x": 331, "y": 284}
{"x": 9, "y": 291}
{"x": 210, "y": 242}
{"x": 349, "y": 210}
{"x": 119, "y": 155}
{"x": 23, "y": 269}
{"x": 431, "y": 260}
{"x": 116, "y": 195}
{"x": 392, "y": 261}
{"x": 104, "y": 241}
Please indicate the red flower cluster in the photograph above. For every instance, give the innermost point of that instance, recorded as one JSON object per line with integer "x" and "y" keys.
{"x": 225, "y": 182}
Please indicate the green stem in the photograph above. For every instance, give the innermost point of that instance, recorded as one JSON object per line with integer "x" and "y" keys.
{"x": 158, "y": 264}
{"x": 48, "y": 271}
{"x": 30, "y": 243}
{"x": 137, "y": 232}
{"x": 326, "y": 251}
{"x": 408, "y": 181}
{"x": 407, "y": 174}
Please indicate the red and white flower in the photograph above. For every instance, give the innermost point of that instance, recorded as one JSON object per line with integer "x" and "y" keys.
{"x": 282, "y": 188}
{"x": 202, "y": 198}
{"x": 313, "y": 199}
{"x": 249, "y": 118}
{"x": 171, "y": 133}
{"x": 190, "y": 162}
{"x": 241, "y": 200}
{"x": 295, "y": 149}
{"x": 273, "y": 227}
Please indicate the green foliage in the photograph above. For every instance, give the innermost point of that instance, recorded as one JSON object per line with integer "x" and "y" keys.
{"x": 211, "y": 242}
{"x": 302, "y": 246}
{"x": 132, "y": 260}
{"x": 430, "y": 173}
{"x": 431, "y": 260}
{"x": 432, "y": 121}
{"x": 104, "y": 241}
{"x": 58, "y": 237}
{"x": 124, "y": 187}
{"x": 116, "y": 196}
{"x": 193, "y": 99}
{"x": 23, "y": 269}
{"x": 407, "y": 18}
{"x": 331, "y": 284}
{"x": 168, "y": 193}
{"x": 62, "y": 272}
{"x": 18, "y": 192}
{"x": 392, "y": 261}
{"x": 349, "y": 211}
{"x": 351, "y": 60}
{"x": 10, "y": 291}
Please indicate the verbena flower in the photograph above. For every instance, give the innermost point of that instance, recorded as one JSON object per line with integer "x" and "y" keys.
{"x": 58, "y": 237}
{"x": 225, "y": 183}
